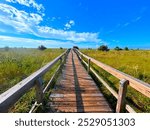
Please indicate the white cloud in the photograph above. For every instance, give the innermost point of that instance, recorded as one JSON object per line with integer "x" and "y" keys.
{"x": 49, "y": 32}
{"x": 126, "y": 24}
{"x": 29, "y": 23}
{"x": 28, "y": 3}
{"x": 20, "y": 20}
{"x": 26, "y": 42}
{"x": 69, "y": 24}
{"x": 136, "y": 19}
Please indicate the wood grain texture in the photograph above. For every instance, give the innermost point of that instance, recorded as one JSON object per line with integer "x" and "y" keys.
{"x": 75, "y": 90}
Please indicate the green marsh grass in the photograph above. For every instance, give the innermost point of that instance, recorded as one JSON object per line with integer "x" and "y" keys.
{"x": 133, "y": 62}
{"x": 17, "y": 64}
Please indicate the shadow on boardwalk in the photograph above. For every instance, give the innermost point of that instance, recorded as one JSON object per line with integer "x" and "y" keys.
{"x": 75, "y": 91}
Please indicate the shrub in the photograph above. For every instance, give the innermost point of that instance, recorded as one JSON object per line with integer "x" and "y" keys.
{"x": 126, "y": 48}
{"x": 6, "y": 48}
{"x": 117, "y": 48}
{"x": 42, "y": 47}
{"x": 103, "y": 48}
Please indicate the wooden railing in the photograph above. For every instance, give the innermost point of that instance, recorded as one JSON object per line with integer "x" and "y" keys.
{"x": 125, "y": 80}
{"x": 11, "y": 96}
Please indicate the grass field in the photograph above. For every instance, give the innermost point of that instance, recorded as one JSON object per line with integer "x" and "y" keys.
{"x": 133, "y": 62}
{"x": 17, "y": 64}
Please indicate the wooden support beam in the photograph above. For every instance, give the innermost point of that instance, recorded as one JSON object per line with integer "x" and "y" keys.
{"x": 89, "y": 60}
{"x": 61, "y": 61}
{"x": 39, "y": 90}
{"x": 121, "y": 96}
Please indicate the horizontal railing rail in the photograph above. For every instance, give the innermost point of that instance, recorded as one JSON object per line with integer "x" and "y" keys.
{"x": 11, "y": 96}
{"x": 124, "y": 78}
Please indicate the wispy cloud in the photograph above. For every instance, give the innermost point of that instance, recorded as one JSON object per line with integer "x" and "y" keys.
{"x": 69, "y": 24}
{"x": 27, "y": 42}
{"x": 28, "y": 3}
{"x": 29, "y": 23}
{"x": 137, "y": 19}
{"x": 49, "y": 32}
{"x": 132, "y": 21}
{"x": 126, "y": 24}
{"x": 19, "y": 20}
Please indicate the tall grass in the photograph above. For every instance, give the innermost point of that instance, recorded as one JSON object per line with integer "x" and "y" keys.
{"x": 17, "y": 64}
{"x": 133, "y": 62}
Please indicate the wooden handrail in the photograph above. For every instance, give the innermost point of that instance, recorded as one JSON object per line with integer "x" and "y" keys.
{"x": 11, "y": 96}
{"x": 113, "y": 92}
{"x": 137, "y": 84}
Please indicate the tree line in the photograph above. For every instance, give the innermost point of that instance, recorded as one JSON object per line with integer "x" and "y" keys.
{"x": 105, "y": 48}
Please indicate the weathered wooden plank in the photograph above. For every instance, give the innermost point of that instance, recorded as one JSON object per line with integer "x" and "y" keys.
{"x": 85, "y": 110}
{"x": 103, "y": 82}
{"x": 70, "y": 95}
{"x": 76, "y": 91}
{"x": 74, "y": 104}
{"x": 128, "y": 107}
{"x": 71, "y": 99}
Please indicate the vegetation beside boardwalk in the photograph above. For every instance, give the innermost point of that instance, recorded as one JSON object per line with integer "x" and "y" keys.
{"x": 17, "y": 64}
{"x": 133, "y": 62}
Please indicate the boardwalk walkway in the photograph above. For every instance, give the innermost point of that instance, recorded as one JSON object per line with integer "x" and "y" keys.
{"x": 75, "y": 91}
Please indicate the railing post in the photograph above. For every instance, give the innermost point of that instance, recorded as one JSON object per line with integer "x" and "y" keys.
{"x": 61, "y": 63}
{"x": 121, "y": 96}
{"x": 89, "y": 60}
{"x": 61, "y": 60}
{"x": 39, "y": 90}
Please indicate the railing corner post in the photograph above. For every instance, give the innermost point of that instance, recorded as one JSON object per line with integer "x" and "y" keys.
{"x": 121, "y": 96}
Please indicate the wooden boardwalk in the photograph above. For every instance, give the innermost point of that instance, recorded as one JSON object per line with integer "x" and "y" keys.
{"x": 75, "y": 91}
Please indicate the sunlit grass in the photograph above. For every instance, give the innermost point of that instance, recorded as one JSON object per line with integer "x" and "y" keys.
{"x": 133, "y": 62}
{"x": 17, "y": 64}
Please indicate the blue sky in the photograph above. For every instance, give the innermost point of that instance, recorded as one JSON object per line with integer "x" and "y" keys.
{"x": 84, "y": 23}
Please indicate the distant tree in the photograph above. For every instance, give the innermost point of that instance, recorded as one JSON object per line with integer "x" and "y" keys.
{"x": 126, "y": 48}
{"x": 117, "y": 48}
{"x": 103, "y": 48}
{"x": 6, "y": 48}
{"x": 76, "y": 47}
{"x": 42, "y": 47}
{"x": 61, "y": 48}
